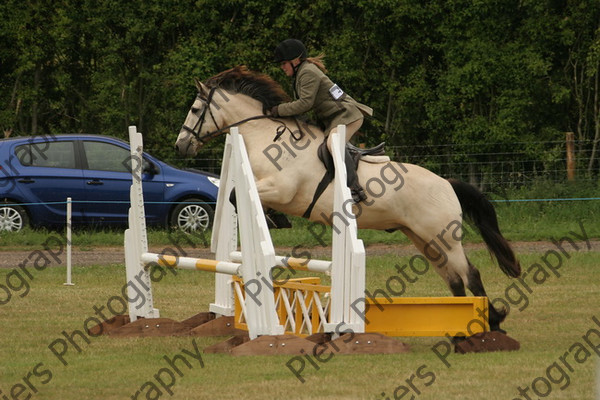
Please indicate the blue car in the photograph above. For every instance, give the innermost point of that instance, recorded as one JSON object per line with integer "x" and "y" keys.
{"x": 38, "y": 173}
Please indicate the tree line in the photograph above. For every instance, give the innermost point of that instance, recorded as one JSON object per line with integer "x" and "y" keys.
{"x": 489, "y": 73}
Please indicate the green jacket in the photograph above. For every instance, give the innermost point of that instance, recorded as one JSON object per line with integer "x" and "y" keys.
{"x": 313, "y": 93}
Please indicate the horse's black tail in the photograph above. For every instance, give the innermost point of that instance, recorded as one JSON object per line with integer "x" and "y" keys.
{"x": 478, "y": 209}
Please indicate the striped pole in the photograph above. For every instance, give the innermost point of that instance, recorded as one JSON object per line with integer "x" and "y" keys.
{"x": 233, "y": 267}
{"x": 301, "y": 264}
{"x": 200, "y": 264}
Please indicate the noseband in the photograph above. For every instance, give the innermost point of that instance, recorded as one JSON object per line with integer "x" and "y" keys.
{"x": 197, "y": 129}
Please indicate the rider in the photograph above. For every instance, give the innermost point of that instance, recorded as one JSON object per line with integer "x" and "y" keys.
{"x": 315, "y": 91}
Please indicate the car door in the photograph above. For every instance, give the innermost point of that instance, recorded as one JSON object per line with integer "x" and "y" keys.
{"x": 107, "y": 179}
{"x": 49, "y": 173}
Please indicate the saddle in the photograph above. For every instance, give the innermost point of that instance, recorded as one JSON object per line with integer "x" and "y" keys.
{"x": 374, "y": 155}
{"x": 353, "y": 156}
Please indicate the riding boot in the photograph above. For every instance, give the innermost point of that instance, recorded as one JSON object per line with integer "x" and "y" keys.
{"x": 358, "y": 193}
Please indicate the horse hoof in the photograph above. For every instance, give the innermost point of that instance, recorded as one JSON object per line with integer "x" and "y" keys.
{"x": 358, "y": 195}
{"x": 457, "y": 339}
{"x": 497, "y": 329}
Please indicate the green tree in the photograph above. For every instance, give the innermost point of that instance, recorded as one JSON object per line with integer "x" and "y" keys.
{"x": 440, "y": 72}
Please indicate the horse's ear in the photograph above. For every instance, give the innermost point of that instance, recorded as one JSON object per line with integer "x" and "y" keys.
{"x": 200, "y": 86}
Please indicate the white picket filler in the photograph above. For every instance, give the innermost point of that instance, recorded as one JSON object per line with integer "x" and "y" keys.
{"x": 224, "y": 238}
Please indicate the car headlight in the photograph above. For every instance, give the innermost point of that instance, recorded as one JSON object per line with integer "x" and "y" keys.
{"x": 214, "y": 181}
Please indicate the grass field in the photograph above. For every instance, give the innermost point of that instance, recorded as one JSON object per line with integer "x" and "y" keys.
{"x": 554, "y": 313}
{"x": 550, "y": 313}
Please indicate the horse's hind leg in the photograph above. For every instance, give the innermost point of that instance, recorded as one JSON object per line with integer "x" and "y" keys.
{"x": 449, "y": 261}
{"x": 472, "y": 280}
{"x": 476, "y": 287}
{"x": 452, "y": 265}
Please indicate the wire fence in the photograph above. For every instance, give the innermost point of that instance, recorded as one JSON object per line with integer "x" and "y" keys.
{"x": 504, "y": 165}
{"x": 489, "y": 166}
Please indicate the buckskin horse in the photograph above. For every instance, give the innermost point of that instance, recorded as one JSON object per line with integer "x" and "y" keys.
{"x": 427, "y": 208}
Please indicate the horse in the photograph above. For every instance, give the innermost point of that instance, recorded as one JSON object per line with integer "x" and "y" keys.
{"x": 427, "y": 208}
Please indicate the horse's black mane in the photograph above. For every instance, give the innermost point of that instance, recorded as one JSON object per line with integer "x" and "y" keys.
{"x": 259, "y": 86}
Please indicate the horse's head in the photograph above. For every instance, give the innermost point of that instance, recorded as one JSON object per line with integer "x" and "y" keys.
{"x": 200, "y": 123}
{"x": 205, "y": 120}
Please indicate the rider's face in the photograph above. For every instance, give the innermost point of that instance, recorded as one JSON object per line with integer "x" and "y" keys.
{"x": 288, "y": 66}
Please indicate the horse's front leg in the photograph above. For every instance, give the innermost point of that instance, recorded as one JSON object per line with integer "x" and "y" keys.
{"x": 273, "y": 191}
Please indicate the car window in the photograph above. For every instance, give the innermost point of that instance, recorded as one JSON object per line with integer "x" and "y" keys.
{"x": 47, "y": 154}
{"x": 107, "y": 157}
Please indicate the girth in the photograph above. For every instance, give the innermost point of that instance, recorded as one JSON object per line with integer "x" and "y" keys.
{"x": 353, "y": 152}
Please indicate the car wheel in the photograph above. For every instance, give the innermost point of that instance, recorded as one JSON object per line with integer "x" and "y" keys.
{"x": 13, "y": 217}
{"x": 192, "y": 215}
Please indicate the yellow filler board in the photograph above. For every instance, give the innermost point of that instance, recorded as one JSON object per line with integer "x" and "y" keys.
{"x": 427, "y": 316}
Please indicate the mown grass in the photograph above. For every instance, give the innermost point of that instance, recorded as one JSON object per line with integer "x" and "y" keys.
{"x": 548, "y": 320}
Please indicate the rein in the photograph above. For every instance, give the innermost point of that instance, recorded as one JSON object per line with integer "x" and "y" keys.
{"x": 211, "y": 135}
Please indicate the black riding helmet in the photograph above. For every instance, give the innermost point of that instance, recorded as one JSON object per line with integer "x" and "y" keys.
{"x": 289, "y": 49}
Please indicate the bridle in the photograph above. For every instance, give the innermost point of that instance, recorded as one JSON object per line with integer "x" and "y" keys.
{"x": 211, "y": 135}
{"x": 198, "y": 127}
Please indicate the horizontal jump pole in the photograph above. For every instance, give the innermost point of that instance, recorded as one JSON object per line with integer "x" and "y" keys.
{"x": 233, "y": 267}
{"x": 201, "y": 264}
{"x": 301, "y": 264}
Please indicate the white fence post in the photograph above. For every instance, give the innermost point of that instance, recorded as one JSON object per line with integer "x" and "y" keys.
{"x": 69, "y": 226}
{"x": 348, "y": 252}
{"x": 136, "y": 241}
{"x": 258, "y": 253}
{"x": 224, "y": 238}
